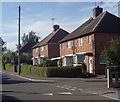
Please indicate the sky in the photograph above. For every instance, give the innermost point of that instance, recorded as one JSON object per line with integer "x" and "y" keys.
{"x": 36, "y": 16}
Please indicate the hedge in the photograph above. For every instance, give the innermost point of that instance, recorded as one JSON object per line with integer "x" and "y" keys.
{"x": 114, "y": 68}
{"x": 10, "y": 67}
{"x": 47, "y": 71}
{"x": 64, "y": 72}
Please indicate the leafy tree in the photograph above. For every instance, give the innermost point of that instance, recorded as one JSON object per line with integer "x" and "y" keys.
{"x": 112, "y": 53}
{"x": 3, "y": 44}
{"x": 31, "y": 36}
{"x": 9, "y": 57}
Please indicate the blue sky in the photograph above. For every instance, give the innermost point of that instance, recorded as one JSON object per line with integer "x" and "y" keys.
{"x": 36, "y": 16}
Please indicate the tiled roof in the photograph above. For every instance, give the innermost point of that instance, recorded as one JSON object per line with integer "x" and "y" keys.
{"x": 53, "y": 37}
{"x": 104, "y": 23}
{"x": 27, "y": 47}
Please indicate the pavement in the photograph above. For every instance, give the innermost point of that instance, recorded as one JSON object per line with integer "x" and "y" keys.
{"x": 95, "y": 86}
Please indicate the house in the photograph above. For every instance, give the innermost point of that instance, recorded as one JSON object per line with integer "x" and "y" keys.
{"x": 27, "y": 48}
{"x": 86, "y": 43}
{"x": 49, "y": 46}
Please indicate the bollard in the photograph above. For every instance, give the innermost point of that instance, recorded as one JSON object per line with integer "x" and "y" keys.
{"x": 109, "y": 79}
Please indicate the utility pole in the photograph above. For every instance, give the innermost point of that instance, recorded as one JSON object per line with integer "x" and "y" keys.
{"x": 19, "y": 42}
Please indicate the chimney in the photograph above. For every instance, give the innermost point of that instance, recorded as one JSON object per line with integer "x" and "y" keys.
{"x": 56, "y": 27}
{"x": 96, "y": 11}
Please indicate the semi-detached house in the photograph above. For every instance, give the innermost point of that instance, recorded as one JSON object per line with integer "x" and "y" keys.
{"x": 86, "y": 43}
{"x": 49, "y": 47}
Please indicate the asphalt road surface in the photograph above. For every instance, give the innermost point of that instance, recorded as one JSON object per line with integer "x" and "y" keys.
{"x": 18, "y": 88}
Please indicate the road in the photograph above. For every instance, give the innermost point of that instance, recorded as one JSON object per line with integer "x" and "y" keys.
{"x": 20, "y": 88}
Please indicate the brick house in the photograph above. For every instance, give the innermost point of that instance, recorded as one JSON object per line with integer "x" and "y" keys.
{"x": 27, "y": 48}
{"x": 49, "y": 47}
{"x": 86, "y": 43}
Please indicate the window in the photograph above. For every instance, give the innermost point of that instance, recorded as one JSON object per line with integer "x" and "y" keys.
{"x": 102, "y": 59}
{"x": 89, "y": 39}
{"x": 68, "y": 44}
{"x": 61, "y": 45}
{"x": 37, "y": 49}
{"x": 42, "y": 48}
{"x": 80, "y": 41}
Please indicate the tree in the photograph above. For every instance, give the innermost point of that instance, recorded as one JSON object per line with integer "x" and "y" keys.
{"x": 112, "y": 53}
{"x": 31, "y": 36}
{"x": 9, "y": 57}
{"x": 3, "y": 45}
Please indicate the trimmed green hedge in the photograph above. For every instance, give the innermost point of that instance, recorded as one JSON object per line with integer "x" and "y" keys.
{"x": 114, "y": 68}
{"x": 10, "y": 67}
{"x": 47, "y": 71}
{"x": 64, "y": 72}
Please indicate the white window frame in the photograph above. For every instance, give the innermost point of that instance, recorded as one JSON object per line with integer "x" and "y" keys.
{"x": 69, "y": 44}
{"x": 42, "y": 48}
{"x": 101, "y": 59}
{"x": 80, "y": 41}
{"x": 89, "y": 39}
{"x": 37, "y": 49}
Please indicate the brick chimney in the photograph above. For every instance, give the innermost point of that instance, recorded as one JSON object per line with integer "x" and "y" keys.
{"x": 56, "y": 27}
{"x": 96, "y": 11}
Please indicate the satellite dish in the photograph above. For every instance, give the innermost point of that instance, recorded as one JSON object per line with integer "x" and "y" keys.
{"x": 73, "y": 48}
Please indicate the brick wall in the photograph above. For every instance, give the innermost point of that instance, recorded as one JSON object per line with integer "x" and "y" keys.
{"x": 86, "y": 47}
{"x": 54, "y": 50}
{"x": 102, "y": 41}
{"x": 49, "y": 51}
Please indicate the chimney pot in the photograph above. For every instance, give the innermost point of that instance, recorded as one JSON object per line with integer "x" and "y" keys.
{"x": 96, "y": 11}
{"x": 56, "y": 27}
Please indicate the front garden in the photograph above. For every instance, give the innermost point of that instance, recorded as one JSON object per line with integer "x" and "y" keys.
{"x": 69, "y": 72}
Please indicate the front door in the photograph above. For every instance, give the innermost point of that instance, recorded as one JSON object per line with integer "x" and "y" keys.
{"x": 90, "y": 65}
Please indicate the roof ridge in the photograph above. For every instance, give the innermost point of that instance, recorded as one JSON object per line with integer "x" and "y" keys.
{"x": 103, "y": 14}
{"x": 54, "y": 34}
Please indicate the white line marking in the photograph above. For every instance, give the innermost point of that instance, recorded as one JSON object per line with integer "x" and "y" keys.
{"x": 72, "y": 89}
{"x": 65, "y": 93}
{"x": 48, "y": 94}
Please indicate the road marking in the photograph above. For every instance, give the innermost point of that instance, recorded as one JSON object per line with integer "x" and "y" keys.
{"x": 72, "y": 89}
{"x": 80, "y": 89}
{"x": 65, "y": 93}
{"x": 48, "y": 94}
{"x": 95, "y": 93}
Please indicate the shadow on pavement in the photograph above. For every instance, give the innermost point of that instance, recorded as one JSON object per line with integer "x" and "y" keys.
{"x": 6, "y": 98}
{"x": 7, "y": 80}
{"x": 96, "y": 81}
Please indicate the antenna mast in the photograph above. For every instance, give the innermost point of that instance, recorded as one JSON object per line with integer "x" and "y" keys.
{"x": 53, "y": 21}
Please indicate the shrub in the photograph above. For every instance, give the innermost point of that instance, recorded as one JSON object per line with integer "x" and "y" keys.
{"x": 47, "y": 63}
{"x": 10, "y": 67}
{"x": 64, "y": 72}
{"x": 114, "y": 68}
{"x": 26, "y": 69}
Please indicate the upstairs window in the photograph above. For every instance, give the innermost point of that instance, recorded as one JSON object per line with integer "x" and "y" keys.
{"x": 80, "y": 41}
{"x": 37, "y": 49}
{"x": 68, "y": 44}
{"x": 42, "y": 48}
{"x": 89, "y": 39}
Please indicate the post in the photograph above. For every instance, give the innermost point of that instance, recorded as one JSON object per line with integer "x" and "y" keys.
{"x": 19, "y": 43}
{"x": 109, "y": 79}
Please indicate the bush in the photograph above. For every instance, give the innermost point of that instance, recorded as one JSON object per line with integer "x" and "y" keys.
{"x": 70, "y": 72}
{"x": 64, "y": 72}
{"x": 114, "y": 68}
{"x": 47, "y": 63}
{"x": 10, "y": 67}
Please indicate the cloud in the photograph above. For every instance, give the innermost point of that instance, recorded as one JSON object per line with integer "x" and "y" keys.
{"x": 11, "y": 45}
